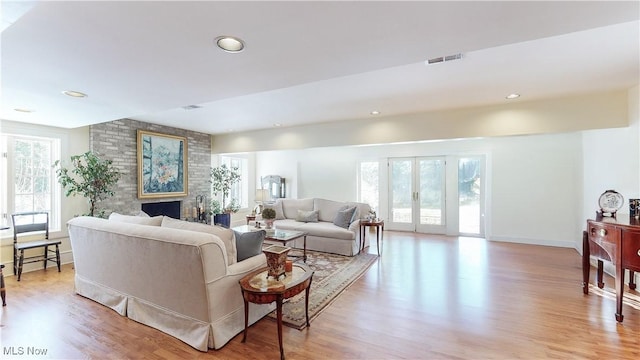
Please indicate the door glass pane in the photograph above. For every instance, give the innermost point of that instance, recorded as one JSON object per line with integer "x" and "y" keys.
{"x": 469, "y": 195}
{"x": 431, "y": 191}
{"x": 401, "y": 192}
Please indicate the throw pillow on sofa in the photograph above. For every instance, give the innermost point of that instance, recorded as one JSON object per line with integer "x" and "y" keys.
{"x": 278, "y": 208}
{"x": 226, "y": 235}
{"x": 249, "y": 244}
{"x": 344, "y": 218}
{"x": 134, "y": 219}
{"x": 307, "y": 216}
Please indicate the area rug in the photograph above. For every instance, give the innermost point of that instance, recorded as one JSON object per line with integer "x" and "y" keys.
{"x": 629, "y": 298}
{"x": 333, "y": 274}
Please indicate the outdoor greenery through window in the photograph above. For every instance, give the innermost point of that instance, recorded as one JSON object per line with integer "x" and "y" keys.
{"x": 240, "y": 190}
{"x": 369, "y": 184}
{"x": 30, "y": 181}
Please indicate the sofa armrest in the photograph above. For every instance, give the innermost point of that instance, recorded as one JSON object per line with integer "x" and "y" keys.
{"x": 224, "y": 293}
{"x": 247, "y": 265}
{"x": 355, "y": 226}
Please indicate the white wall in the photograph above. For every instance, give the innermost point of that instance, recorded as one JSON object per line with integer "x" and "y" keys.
{"x": 612, "y": 161}
{"x": 534, "y": 182}
{"x": 536, "y": 189}
{"x": 520, "y": 117}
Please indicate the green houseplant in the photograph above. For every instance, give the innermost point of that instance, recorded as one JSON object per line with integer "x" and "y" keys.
{"x": 268, "y": 214}
{"x": 89, "y": 176}
{"x": 222, "y": 179}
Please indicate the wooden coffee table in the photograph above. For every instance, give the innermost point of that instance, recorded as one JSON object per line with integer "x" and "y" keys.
{"x": 257, "y": 288}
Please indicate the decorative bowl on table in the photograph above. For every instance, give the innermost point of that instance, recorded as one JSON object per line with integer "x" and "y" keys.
{"x": 276, "y": 259}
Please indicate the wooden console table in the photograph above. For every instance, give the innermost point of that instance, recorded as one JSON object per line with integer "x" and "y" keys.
{"x": 617, "y": 240}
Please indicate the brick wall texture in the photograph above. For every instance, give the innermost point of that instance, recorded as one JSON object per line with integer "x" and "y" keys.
{"x": 116, "y": 141}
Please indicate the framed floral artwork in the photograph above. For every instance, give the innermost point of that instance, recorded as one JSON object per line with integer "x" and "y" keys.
{"x": 162, "y": 165}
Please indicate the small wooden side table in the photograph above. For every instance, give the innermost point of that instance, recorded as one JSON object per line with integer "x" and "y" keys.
{"x": 257, "y": 288}
{"x": 250, "y": 218}
{"x": 379, "y": 224}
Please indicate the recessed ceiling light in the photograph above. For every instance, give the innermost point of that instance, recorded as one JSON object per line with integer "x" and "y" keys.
{"x": 375, "y": 112}
{"x": 76, "y": 94}
{"x": 512, "y": 96}
{"x": 277, "y": 124}
{"x": 230, "y": 43}
{"x": 23, "y": 110}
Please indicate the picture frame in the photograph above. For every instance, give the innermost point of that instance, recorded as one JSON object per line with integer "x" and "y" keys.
{"x": 162, "y": 165}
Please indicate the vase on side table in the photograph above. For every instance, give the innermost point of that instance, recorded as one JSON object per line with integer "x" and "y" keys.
{"x": 276, "y": 260}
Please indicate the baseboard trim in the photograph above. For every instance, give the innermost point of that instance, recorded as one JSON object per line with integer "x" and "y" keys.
{"x": 555, "y": 243}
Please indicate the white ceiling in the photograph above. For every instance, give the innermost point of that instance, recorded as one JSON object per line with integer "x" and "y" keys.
{"x": 304, "y": 62}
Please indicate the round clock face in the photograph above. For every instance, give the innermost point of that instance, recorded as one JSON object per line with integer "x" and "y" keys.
{"x": 610, "y": 201}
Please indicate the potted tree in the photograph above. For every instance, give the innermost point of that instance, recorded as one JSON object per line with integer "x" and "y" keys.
{"x": 268, "y": 215}
{"x": 222, "y": 179}
{"x": 89, "y": 176}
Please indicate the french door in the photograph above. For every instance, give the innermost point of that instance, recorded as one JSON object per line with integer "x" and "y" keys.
{"x": 437, "y": 195}
{"x": 417, "y": 194}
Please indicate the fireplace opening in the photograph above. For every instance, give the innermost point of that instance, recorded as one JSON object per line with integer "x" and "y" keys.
{"x": 166, "y": 208}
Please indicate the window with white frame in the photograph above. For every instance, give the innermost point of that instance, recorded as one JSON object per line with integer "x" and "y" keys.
{"x": 369, "y": 179}
{"x": 30, "y": 183}
{"x": 240, "y": 190}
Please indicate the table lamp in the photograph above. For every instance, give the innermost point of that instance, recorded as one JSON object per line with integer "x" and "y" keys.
{"x": 261, "y": 196}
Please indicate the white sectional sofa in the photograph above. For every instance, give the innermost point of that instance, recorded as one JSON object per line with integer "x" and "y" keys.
{"x": 178, "y": 277}
{"x": 324, "y": 234}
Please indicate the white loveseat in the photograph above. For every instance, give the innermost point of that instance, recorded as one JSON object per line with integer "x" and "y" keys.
{"x": 182, "y": 282}
{"x": 323, "y": 234}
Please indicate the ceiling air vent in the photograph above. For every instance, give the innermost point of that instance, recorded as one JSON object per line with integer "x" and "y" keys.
{"x": 191, "y": 107}
{"x": 443, "y": 59}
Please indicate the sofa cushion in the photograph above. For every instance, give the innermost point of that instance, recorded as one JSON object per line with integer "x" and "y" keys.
{"x": 328, "y": 209}
{"x": 290, "y": 207}
{"x": 249, "y": 243}
{"x": 226, "y": 235}
{"x": 307, "y": 216}
{"x": 345, "y": 217}
{"x": 287, "y": 224}
{"x": 278, "y": 208}
{"x": 134, "y": 219}
{"x": 326, "y": 229}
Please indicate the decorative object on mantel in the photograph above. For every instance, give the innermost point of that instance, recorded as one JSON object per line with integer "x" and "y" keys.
{"x": 610, "y": 202}
{"x": 222, "y": 179}
{"x": 201, "y": 209}
{"x": 276, "y": 260}
{"x": 91, "y": 177}
{"x": 162, "y": 168}
{"x": 268, "y": 215}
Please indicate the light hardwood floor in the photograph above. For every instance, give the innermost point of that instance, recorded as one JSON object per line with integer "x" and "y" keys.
{"x": 427, "y": 297}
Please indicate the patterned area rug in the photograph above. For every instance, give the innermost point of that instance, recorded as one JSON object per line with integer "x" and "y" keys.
{"x": 333, "y": 274}
{"x": 629, "y": 298}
